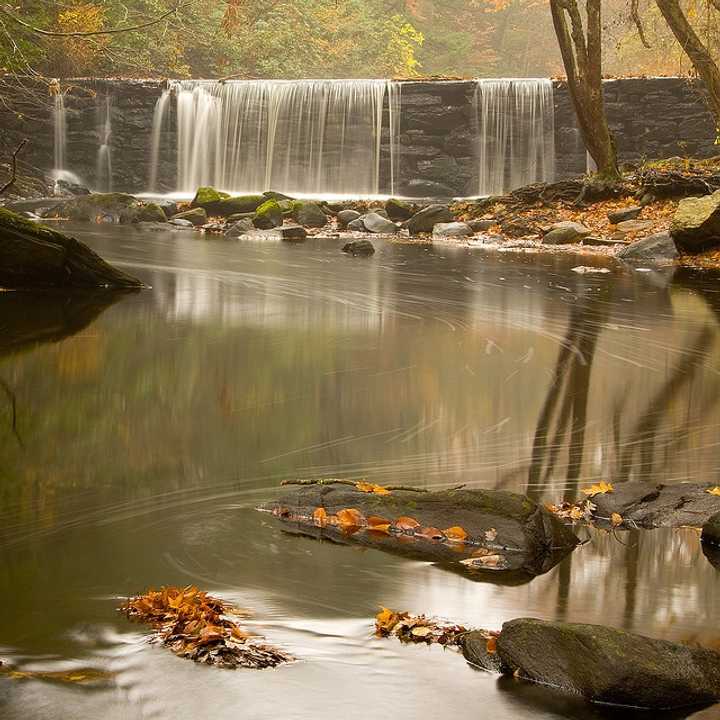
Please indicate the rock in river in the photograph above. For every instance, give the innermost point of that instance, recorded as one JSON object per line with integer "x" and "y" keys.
{"x": 611, "y": 666}
{"x": 658, "y": 247}
{"x": 565, "y": 233}
{"x": 35, "y": 256}
{"x": 476, "y": 532}
{"x": 359, "y": 247}
{"x": 376, "y": 223}
{"x": 711, "y": 530}
{"x": 425, "y": 220}
{"x": 697, "y": 222}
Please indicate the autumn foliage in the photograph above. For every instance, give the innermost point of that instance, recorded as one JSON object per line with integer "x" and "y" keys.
{"x": 194, "y": 625}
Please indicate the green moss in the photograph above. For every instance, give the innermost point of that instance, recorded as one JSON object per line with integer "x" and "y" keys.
{"x": 151, "y": 213}
{"x": 268, "y": 215}
{"x": 241, "y": 204}
{"x": 208, "y": 196}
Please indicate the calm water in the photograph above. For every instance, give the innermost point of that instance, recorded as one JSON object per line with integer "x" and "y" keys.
{"x": 145, "y": 432}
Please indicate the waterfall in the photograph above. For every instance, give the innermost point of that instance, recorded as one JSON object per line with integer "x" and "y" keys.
{"x": 104, "y": 157}
{"x": 298, "y": 136}
{"x": 157, "y": 130}
{"x": 515, "y": 130}
{"x": 60, "y": 133}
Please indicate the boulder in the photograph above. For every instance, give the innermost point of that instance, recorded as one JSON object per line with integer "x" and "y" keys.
{"x": 359, "y": 247}
{"x": 658, "y": 247}
{"x": 565, "y": 233}
{"x": 425, "y": 220}
{"x": 234, "y": 205}
{"x": 239, "y": 228}
{"x": 268, "y": 215}
{"x": 209, "y": 199}
{"x": 474, "y": 646}
{"x": 278, "y": 196}
{"x": 610, "y": 666}
{"x": 629, "y": 213}
{"x": 150, "y": 212}
{"x": 197, "y": 216}
{"x": 482, "y": 225}
{"x": 452, "y": 230}
{"x": 711, "y": 530}
{"x": 65, "y": 187}
{"x": 169, "y": 207}
{"x": 36, "y": 256}
{"x": 427, "y": 189}
{"x": 375, "y": 223}
{"x": 357, "y": 225}
{"x": 476, "y": 532}
{"x": 697, "y": 222}
{"x": 398, "y": 210}
{"x": 309, "y": 214}
{"x": 292, "y": 233}
{"x": 650, "y": 506}
{"x": 345, "y": 217}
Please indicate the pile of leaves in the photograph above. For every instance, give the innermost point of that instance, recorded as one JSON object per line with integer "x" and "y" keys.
{"x": 417, "y": 628}
{"x": 194, "y": 625}
{"x": 583, "y": 510}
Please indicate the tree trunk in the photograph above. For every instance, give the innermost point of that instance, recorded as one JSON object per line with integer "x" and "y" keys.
{"x": 702, "y": 61}
{"x": 581, "y": 52}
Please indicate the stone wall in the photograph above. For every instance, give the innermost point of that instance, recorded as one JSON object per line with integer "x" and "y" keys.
{"x": 651, "y": 118}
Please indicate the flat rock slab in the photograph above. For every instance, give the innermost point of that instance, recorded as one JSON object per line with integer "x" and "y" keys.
{"x": 606, "y": 665}
{"x": 503, "y": 531}
{"x": 651, "y": 506}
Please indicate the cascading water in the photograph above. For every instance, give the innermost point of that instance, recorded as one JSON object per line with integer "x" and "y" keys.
{"x": 157, "y": 130}
{"x": 515, "y": 133}
{"x": 60, "y": 134}
{"x": 104, "y": 157}
{"x": 300, "y": 136}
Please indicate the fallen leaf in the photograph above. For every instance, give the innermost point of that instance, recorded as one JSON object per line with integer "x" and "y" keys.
{"x": 713, "y": 491}
{"x": 600, "y": 489}
{"x": 350, "y": 517}
{"x": 406, "y": 523}
{"x": 616, "y": 519}
{"x": 421, "y": 631}
{"x": 378, "y": 524}
{"x": 491, "y": 645}
{"x": 432, "y": 533}
{"x": 456, "y": 534}
{"x": 491, "y": 535}
{"x": 371, "y": 488}
{"x": 320, "y": 517}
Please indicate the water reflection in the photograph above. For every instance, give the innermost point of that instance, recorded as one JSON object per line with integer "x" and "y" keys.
{"x": 149, "y": 434}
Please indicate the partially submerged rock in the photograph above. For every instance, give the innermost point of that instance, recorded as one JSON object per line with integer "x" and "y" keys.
{"x": 268, "y": 215}
{"x": 452, "y": 230}
{"x": 642, "y": 504}
{"x": 659, "y": 247}
{"x": 197, "y": 216}
{"x": 36, "y": 256}
{"x": 475, "y": 531}
{"x": 711, "y": 530}
{"x": 606, "y": 665}
{"x": 696, "y": 224}
{"x": 359, "y": 247}
{"x": 565, "y": 233}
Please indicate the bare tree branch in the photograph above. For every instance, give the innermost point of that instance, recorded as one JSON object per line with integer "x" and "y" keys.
{"x": 49, "y": 33}
{"x": 635, "y": 15}
{"x": 13, "y": 177}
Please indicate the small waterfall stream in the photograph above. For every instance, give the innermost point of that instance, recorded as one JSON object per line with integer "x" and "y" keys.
{"x": 158, "y": 126}
{"x": 515, "y": 133}
{"x": 60, "y": 134}
{"x": 104, "y": 157}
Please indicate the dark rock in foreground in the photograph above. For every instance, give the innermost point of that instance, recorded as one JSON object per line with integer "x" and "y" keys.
{"x": 696, "y": 224}
{"x": 427, "y": 218}
{"x": 35, "y": 256}
{"x": 650, "y": 506}
{"x": 606, "y": 665}
{"x": 480, "y": 532}
{"x": 711, "y": 530}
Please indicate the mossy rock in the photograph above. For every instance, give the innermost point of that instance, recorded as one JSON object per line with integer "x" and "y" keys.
{"x": 96, "y": 206}
{"x": 197, "y": 216}
{"x": 240, "y": 204}
{"x": 309, "y": 214}
{"x": 150, "y": 212}
{"x": 269, "y": 215}
{"x": 208, "y": 197}
{"x": 399, "y": 211}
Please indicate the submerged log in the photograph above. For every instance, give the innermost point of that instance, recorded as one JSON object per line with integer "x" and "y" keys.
{"x": 484, "y": 533}
{"x": 35, "y": 256}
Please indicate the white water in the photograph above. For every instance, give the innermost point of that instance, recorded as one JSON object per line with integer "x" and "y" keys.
{"x": 60, "y": 134}
{"x": 157, "y": 130}
{"x": 299, "y": 136}
{"x": 515, "y": 131}
{"x": 104, "y": 157}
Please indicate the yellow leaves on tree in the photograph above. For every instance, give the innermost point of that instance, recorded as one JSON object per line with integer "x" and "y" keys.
{"x": 193, "y": 625}
{"x": 77, "y": 56}
{"x": 371, "y": 488}
{"x": 600, "y": 488}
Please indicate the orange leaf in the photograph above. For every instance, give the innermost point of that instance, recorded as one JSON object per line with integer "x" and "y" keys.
{"x": 350, "y": 517}
{"x": 406, "y": 523}
{"x": 600, "y": 489}
{"x": 320, "y": 517}
{"x": 456, "y": 534}
{"x": 378, "y": 524}
{"x": 492, "y": 645}
{"x": 616, "y": 519}
{"x": 432, "y": 533}
{"x": 370, "y": 488}
{"x": 713, "y": 491}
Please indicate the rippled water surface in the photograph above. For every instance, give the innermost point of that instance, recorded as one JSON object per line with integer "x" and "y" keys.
{"x": 138, "y": 433}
